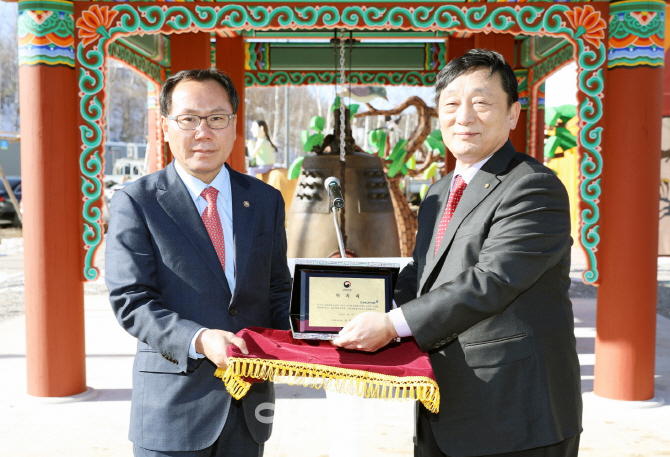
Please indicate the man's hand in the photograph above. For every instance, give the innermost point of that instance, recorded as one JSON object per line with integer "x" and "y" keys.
{"x": 367, "y": 332}
{"x": 213, "y": 344}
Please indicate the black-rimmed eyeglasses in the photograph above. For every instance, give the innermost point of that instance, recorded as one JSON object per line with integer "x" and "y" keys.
{"x": 192, "y": 121}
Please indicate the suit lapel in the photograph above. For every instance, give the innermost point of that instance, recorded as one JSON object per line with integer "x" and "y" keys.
{"x": 176, "y": 201}
{"x": 244, "y": 215}
{"x": 480, "y": 187}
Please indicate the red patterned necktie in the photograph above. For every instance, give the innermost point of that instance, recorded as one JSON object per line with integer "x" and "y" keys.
{"x": 452, "y": 203}
{"x": 213, "y": 224}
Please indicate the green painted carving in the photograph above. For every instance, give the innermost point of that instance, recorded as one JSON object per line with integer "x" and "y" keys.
{"x": 298, "y": 78}
{"x": 535, "y": 49}
{"x": 409, "y": 78}
{"x": 636, "y": 34}
{"x": 541, "y": 97}
{"x": 147, "y": 67}
{"x": 46, "y": 33}
{"x": 282, "y": 78}
{"x": 591, "y": 84}
{"x": 422, "y": 2}
{"x": 522, "y": 83}
{"x": 552, "y": 63}
{"x": 212, "y": 49}
{"x": 154, "y": 47}
{"x": 440, "y": 16}
{"x": 257, "y": 56}
{"x": 582, "y": 25}
{"x": 436, "y": 56}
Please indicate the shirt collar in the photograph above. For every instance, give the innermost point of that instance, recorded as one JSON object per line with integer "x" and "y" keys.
{"x": 471, "y": 171}
{"x": 195, "y": 186}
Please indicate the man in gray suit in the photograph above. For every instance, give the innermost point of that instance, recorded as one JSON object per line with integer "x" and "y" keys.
{"x": 195, "y": 253}
{"x": 486, "y": 294}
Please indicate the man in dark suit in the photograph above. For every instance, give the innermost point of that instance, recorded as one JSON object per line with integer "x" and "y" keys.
{"x": 195, "y": 253}
{"x": 487, "y": 291}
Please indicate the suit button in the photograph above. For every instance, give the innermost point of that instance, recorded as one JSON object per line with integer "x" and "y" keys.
{"x": 444, "y": 341}
{"x": 232, "y": 311}
{"x": 449, "y": 339}
{"x": 454, "y": 336}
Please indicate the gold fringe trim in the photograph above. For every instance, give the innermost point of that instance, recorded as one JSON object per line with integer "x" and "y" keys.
{"x": 334, "y": 379}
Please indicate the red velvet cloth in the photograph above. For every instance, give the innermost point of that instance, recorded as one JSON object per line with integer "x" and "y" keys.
{"x": 397, "y": 359}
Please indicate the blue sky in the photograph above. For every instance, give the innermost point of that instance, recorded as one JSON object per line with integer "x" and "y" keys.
{"x": 7, "y": 15}
{"x": 561, "y": 87}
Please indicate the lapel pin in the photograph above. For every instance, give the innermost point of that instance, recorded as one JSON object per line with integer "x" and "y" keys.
{"x": 486, "y": 186}
{"x": 246, "y": 204}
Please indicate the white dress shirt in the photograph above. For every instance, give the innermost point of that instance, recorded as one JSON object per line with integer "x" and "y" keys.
{"x": 396, "y": 315}
{"x": 224, "y": 206}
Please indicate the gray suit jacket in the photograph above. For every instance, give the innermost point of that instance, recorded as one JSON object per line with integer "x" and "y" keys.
{"x": 492, "y": 308}
{"x": 165, "y": 282}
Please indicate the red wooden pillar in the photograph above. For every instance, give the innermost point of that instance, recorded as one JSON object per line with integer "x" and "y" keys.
{"x": 504, "y": 43}
{"x": 188, "y": 51}
{"x": 535, "y": 120}
{"x": 628, "y": 250}
{"x": 230, "y": 59}
{"x": 539, "y": 125}
{"x": 54, "y": 292}
{"x": 499, "y": 42}
{"x": 456, "y": 47}
{"x": 519, "y": 135}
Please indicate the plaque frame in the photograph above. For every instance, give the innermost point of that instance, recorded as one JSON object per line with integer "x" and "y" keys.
{"x": 345, "y": 268}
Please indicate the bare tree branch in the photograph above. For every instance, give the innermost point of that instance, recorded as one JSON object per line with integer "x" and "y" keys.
{"x": 9, "y": 71}
{"x": 127, "y": 104}
{"x": 423, "y": 128}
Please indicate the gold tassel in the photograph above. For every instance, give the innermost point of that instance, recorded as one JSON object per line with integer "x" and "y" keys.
{"x": 334, "y": 379}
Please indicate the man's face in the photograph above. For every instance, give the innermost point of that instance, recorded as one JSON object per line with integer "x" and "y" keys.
{"x": 474, "y": 117}
{"x": 203, "y": 151}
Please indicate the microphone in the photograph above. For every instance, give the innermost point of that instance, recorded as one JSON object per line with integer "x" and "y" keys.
{"x": 334, "y": 191}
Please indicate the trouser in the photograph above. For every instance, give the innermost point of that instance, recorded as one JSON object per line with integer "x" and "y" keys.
{"x": 427, "y": 447}
{"x": 234, "y": 441}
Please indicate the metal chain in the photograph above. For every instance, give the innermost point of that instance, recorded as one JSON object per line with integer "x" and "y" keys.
{"x": 342, "y": 133}
{"x": 342, "y": 83}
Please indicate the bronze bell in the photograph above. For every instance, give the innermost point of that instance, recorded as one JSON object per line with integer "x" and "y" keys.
{"x": 370, "y": 225}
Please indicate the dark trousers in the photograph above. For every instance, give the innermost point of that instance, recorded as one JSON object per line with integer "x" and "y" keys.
{"x": 234, "y": 441}
{"x": 425, "y": 445}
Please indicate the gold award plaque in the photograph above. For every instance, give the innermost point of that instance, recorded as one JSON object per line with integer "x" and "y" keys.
{"x": 335, "y": 301}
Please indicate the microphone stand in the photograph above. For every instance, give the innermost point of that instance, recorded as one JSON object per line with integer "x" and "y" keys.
{"x": 336, "y": 220}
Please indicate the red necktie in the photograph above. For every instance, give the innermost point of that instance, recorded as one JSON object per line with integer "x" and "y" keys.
{"x": 213, "y": 224}
{"x": 452, "y": 203}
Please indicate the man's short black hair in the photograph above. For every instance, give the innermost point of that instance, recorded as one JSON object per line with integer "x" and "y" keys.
{"x": 200, "y": 76}
{"x": 475, "y": 59}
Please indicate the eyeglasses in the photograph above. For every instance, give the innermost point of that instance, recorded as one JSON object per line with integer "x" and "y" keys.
{"x": 192, "y": 121}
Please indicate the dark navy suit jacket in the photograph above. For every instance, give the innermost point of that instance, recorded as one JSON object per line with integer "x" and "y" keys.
{"x": 165, "y": 282}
